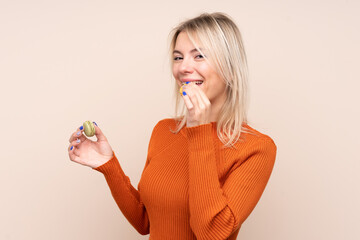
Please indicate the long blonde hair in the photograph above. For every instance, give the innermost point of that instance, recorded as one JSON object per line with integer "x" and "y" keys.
{"x": 220, "y": 36}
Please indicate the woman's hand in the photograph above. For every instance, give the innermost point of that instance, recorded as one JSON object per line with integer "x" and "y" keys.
{"x": 87, "y": 152}
{"x": 198, "y": 105}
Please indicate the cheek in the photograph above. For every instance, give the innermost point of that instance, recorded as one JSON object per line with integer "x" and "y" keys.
{"x": 209, "y": 74}
{"x": 204, "y": 71}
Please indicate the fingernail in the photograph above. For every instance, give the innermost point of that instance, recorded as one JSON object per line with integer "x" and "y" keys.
{"x": 95, "y": 123}
{"x": 78, "y": 133}
{"x": 71, "y": 147}
{"x": 184, "y": 93}
{"x": 78, "y": 140}
{"x": 81, "y": 127}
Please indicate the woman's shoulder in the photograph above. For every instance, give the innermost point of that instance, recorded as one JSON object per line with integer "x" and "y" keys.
{"x": 256, "y": 135}
{"x": 249, "y": 136}
{"x": 165, "y": 123}
{"x": 249, "y": 132}
{"x": 253, "y": 142}
{"x": 253, "y": 138}
{"x": 162, "y": 136}
{"x": 163, "y": 129}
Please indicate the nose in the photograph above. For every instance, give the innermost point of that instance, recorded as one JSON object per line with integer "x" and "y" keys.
{"x": 186, "y": 66}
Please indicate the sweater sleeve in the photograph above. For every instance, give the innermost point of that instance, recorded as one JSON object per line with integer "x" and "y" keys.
{"x": 125, "y": 195}
{"x": 216, "y": 212}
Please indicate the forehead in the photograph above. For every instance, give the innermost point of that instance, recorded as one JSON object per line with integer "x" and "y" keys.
{"x": 183, "y": 41}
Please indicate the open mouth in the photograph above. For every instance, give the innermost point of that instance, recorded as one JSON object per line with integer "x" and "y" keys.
{"x": 197, "y": 82}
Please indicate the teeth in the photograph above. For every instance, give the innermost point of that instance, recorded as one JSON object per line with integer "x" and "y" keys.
{"x": 196, "y": 82}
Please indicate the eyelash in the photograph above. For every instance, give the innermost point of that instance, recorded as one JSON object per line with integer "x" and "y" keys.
{"x": 176, "y": 58}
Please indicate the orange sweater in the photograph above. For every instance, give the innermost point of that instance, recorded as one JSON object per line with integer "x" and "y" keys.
{"x": 190, "y": 187}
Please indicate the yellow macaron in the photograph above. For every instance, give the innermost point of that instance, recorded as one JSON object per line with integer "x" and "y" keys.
{"x": 181, "y": 89}
{"x": 89, "y": 128}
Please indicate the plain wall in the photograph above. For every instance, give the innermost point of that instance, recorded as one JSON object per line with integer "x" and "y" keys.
{"x": 65, "y": 62}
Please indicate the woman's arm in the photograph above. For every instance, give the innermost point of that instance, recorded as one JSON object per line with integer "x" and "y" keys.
{"x": 216, "y": 212}
{"x": 125, "y": 195}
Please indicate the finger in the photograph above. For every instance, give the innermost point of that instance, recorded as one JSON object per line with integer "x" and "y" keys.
{"x": 192, "y": 96}
{"x": 199, "y": 97}
{"x": 188, "y": 103}
{"x": 76, "y": 142}
{"x": 72, "y": 154}
{"x": 99, "y": 134}
{"x": 204, "y": 97}
{"x": 77, "y": 134}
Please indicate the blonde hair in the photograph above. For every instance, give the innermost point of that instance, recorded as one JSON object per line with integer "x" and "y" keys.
{"x": 220, "y": 36}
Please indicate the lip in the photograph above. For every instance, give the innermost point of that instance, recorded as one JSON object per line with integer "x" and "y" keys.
{"x": 190, "y": 80}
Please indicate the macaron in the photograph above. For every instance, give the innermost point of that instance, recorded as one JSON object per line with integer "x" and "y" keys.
{"x": 181, "y": 88}
{"x": 89, "y": 128}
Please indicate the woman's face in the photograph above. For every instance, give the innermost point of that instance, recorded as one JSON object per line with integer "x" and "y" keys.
{"x": 190, "y": 65}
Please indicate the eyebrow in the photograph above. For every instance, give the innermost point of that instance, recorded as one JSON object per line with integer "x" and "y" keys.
{"x": 194, "y": 50}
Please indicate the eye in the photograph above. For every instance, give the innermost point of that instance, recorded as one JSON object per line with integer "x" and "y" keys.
{"x": 177, "y": 58}
{"x": 200, "y": 56}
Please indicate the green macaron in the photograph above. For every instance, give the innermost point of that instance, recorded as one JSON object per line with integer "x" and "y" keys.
{"x": 89, "y": 128}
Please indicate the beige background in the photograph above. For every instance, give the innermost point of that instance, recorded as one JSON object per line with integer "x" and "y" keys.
{"x": 64, "y": 62}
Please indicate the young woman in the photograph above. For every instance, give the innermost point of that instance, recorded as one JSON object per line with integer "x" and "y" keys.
{"x": 206, "y": 168}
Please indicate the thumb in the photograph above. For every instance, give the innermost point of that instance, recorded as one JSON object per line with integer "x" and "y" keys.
{"x": 99, "y": 134}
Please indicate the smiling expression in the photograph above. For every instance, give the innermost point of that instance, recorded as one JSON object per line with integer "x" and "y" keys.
{"x": 190, "y": 65}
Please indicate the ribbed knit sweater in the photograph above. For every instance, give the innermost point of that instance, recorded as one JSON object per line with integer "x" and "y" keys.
{"x": 191, "y": 187}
